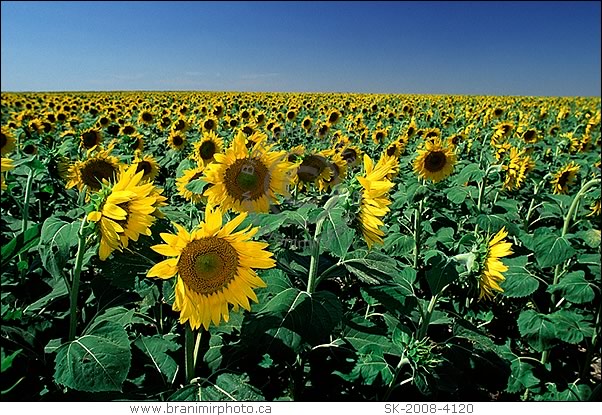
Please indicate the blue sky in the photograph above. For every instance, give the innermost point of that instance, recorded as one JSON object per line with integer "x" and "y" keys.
{"x": 490, "y": 48}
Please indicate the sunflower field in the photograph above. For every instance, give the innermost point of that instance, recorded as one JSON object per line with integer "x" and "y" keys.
{"x": 214, "y": 246}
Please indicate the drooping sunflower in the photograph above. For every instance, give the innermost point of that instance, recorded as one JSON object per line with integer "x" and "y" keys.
{"x": 491, "y": 269}
{"x": 564, "y": 178}
{"x": 7, "y": 142}
{"x": 248, "y": 180}
{"x": 90, "y": 138}
{"x": 352, "y": 155}
{"x": 434, "y": 161}
{"x": 95, "y": 170}
{"x": 176, "y": 140}
{"x": 214, "y": 267}
{"x": 206, "y": 148}
{"x": 313, "y": 170}
{"x": 514, "y": 170}
{"x": 183, "y": 181}
{"x": 6, "y": 164}
{"x": 124, "y": 211}
{"x": 338, "y": 168}
{"x": 375, "y": 200}
{"x": 148, "y": 165}
{"x": 595, "y": 207}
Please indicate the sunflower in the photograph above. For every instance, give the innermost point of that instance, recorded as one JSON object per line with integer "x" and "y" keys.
{"x": 90, "y": 138}
{"x": 181, "y": 125}
{"x": 206, "y": 148}
{"x": 530, "y": 136}
{"x": 248, "y": 180}
{"x": 128, "y": 129}
{"x": 491, "y": 268}
{"x": 214, "y": 267}
{"x": 146, "y": 117}
{"x": 209, "y": 124}
{"x": 176, "y": 140}
{"x": 295, "y": 154}
{"x": 148, "y": 165}
{"x": 338, "y": 168}
{"x": 307, "y": 123}
{"x": 374, "y": 203}
{"x": 434, "y": 162}
{"x": 515, "y": 170}
{"x": 6, "y": 164}
{"x": 333, "y": 117}
{"x": 136, "y": 142}
{"x": 564, "y": 178}
{"x": 595, "y": 207}
{"x": 7, "y": 141}
{"x": 352, "y": 155}
{"x": 124, "y": 211}
{"x": 94, "y": 170}
{"x": 314, "y": 169}
{"x": 183, "y": 181}
{"x": 379, "y": 135}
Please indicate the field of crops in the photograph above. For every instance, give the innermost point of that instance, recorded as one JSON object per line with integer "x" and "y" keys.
{"x": 307, "y": 247}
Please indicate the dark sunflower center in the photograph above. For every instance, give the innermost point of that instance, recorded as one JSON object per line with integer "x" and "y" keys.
{"x": 3, "y": 140}
{"x": 147, "y": 117}
{"x": 247, "y": 179}
{"x": 529, "y": 135}
{"x": 136, "y": 144}
{"x": 349, "y": 155}
{"x": 379, "y": 135}
{"x": 391, "y": 150}
{"x": 179, "y": 125}
{"x": 247, "y": 130}
{"x": 128, "y": 130}
{"x": 411, "y": 131}
{"x": 435, "y": 161}
{"x": 208, "y": 265}
{"x": 498, "y": 112}
{"x": 306, "y": 123}
{"x": 431, "y": 134}
{"x": 94, "y": 171}
{"x": 209, "y": 124}
{"x": 311, "y": 168}
{"x": 30, "y": 149}
{"x": 564, "y": 179}
{"x": 144, "y": 166}
{"x": 177, "y": 141}
{"x": 333, "y": 117}
{"x": 89, "y": 139}
{"x": 207, "y": 150}
{"x": 290, "y": 115}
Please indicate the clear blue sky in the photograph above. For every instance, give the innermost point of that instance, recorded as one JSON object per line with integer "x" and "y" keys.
{"x": 494, "y": 48}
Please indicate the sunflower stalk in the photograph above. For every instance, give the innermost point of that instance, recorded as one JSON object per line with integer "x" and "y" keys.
{"x": 565, "y": 230}
{"x": 417, "y": 225}
{"x": 189, "y": 354}
{"x": 25, "y": 214}
{"x": 74, "y": 293}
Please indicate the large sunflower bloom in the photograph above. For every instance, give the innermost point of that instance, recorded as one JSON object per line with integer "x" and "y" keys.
{"x": 247, "y": 180}
{"x": 564, "y": 178}
{"x": 125, "y": 211}
{"x": 94, "y": 171}
{"x": 434, "y": 162}
{"x": 492, "y": 268}
{"x": 214, "y": 268}
{"x": 375, "y": 200}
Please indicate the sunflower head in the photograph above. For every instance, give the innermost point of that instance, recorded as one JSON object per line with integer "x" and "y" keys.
{"x": 434, "y": 162}
{"x": 183, "y": 182}
{"x": 147, "y": 165}
{"x": 7, "y": 141}
{"x": 564, "y": 178}
{"x": 490, "y": 268}
{"x": 6, "y": 164}
{"x": 95, "y": 170}
{"x": 176, "y": 140}
{"x": 214, "y": 267}
{"x": 90, "y": 139}
{"x": 207, "y": 147}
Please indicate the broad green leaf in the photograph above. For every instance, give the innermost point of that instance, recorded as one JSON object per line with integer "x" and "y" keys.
{"x": 441, "y": 271}
{"x": 574, "y": 288}
{"x": 120, "y": 315}
{"x": 7, "y": 361}
{"x": 469, "y": 173}
{"x": 571, "y": 393}
{"x": 519, "y": 281}
{"x": 398, "y": 244}
{"x": 336, "y": 236}
{"x": 370, "y": 266}
{"x": 228, "y": 387}
{"x": 197, "y": 186}
{"x": 361, "y": 333}
{"x": 185, "y": 164}
{"x": 370, "y": 366}
{"x": 56, "y": 239}
{"x": 521, "y": 377}
{"x": 551, "y": 249}
{"x": 571, "y": 326}
{"x": 537, "y": 329}
{"x": 156, "y": 348}
{"x": 591, "y": 237}
{"x": 98, "y": 361}
{"x": 457, "y": 194}
{"x": 20, "y": 243}
{"x": 59, "y": 290}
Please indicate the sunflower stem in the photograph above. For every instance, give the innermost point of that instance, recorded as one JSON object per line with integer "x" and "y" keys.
{"x": 312, "y": 280}
{"x": 25, "y": 214}
{"x": 417, "y": 225}
{"x": 427, "y": 316}
{"x": 189, "y": 349}
{"x": 74, "y": 294}
{"x": 565, "y": 230}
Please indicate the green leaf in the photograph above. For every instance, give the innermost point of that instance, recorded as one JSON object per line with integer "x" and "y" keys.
{"x": 521, "y": 377}
{"x": 550, "y": 249}
{"x": 398, "y": 244}
{"x": 571, "y": 326}
{"x": 370, "y": 266}
{"x": 537, "y": 329}
{"x": 7, "y": 361}
{"x": 56, "y": 239}
{"x": 441, "y": 271}
{"x": 98, "y": 361}
{"x": 156, "y": 348}
{"x": 228, "y": 387}
{"x": 59, "y": 290}
{"x": 574, "y": 288}
{"x": 571, "y": 393}
{"x": 469, "y": 173}
{"x": 370, "y": 366}
{"x": 457, "y": 194}
{"x": 22, "y": 242}
{"x": 197, "y": 186}
{"x": 361, "y": 334}
{"x": 519, "y": 281}
{"x": 591, "y": 237}
{"x": 336, "y": 236}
